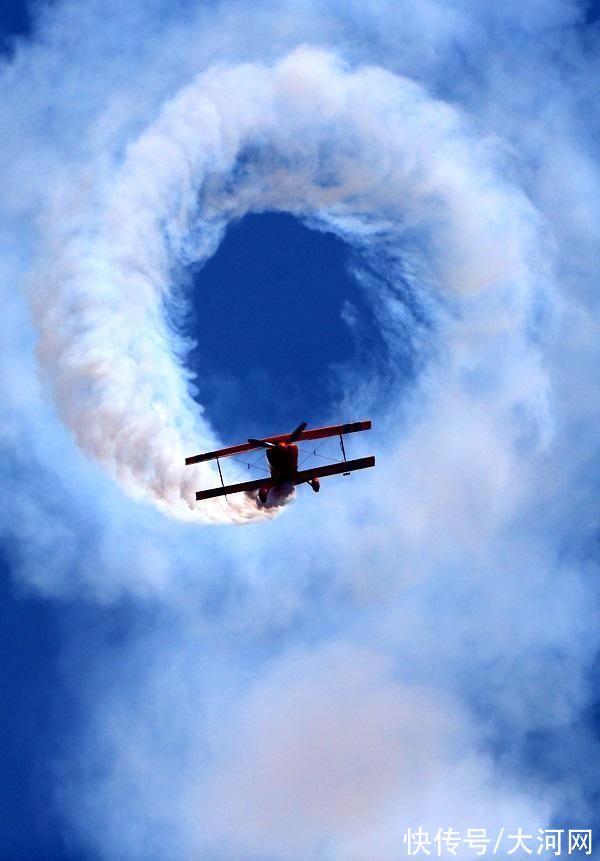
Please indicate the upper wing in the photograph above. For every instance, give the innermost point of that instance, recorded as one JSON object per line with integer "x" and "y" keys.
{"x": 301, "y": 477}
{"x": 311, "y": 433}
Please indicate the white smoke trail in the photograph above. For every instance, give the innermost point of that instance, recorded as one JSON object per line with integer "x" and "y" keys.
{"x": 365, "y": 151}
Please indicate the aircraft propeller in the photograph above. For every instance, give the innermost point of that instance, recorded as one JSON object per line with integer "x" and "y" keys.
{"x": 295, "y": 434}
{"x": 292, "y": 438}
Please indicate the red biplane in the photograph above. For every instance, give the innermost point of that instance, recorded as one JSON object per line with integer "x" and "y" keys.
{"x": 282, "y": 460}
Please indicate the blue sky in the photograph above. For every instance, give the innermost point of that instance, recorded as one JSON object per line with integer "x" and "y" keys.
{"x": 318, "y": 216}
{"x": 296, "y": 284}
{"x": 36, "y": 708}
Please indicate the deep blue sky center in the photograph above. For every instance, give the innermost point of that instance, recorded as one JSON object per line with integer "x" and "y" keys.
{"x": 268, "y": 322}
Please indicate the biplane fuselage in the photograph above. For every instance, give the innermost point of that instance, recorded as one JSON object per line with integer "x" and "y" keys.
{"x": 282, "y": 459}
{"x": 283, "y": 462}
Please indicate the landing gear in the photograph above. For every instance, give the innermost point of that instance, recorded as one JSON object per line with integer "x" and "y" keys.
{"x": 315, "y": 484}
{"x": 262, "y": 495}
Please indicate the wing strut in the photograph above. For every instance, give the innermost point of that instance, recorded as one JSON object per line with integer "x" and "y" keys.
{"x": 221, "y": 477}
{"x": 343, "y": 448}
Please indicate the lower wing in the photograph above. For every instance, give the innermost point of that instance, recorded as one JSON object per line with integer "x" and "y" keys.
{"x": 301, "y": 477}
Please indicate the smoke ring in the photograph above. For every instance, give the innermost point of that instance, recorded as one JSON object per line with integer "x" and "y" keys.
{"x": 369, "y": 153}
